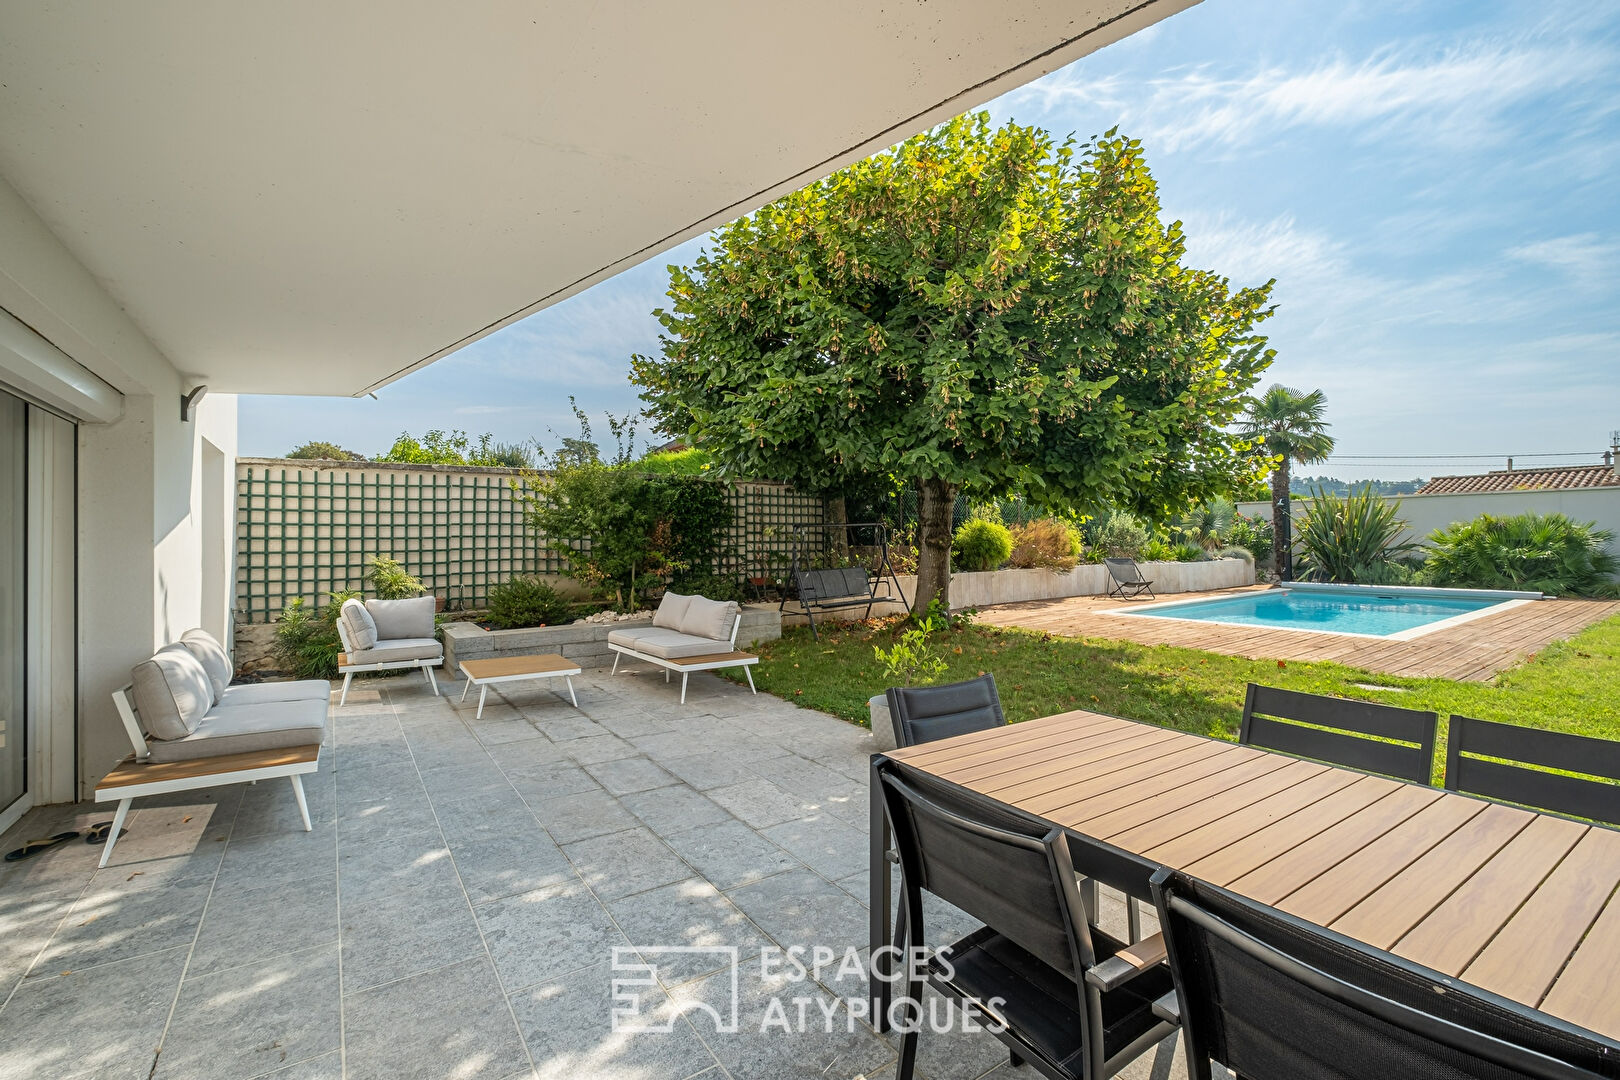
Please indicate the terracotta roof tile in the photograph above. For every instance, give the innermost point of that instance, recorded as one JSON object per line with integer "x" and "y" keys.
{"x": 1563, "y": 477}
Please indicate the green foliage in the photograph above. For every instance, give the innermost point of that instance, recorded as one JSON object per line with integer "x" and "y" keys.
{"x": 524, "y": 600}
{"x": 1120, "y": 535}
{"x": 981, "y": 544}
{"x": 455, "y": 448}
{"x": 911, "y": 660}
{"x": 1184, "y": 552}
{"x": 1047, "y": 543}
{"x": 627, "y": 531}
{"x": 1351, "y": 539}
{"x": 324, "y": 451}
{"x": 391, "y": 581}
{"x": 1544, "y": 552}
{"x": 1206, "y": 524}
{"x": 712, "y": 586}
{"x": 984, "y": 312}
{"x": 689, "y": 462}
{"x": 307, "y": 644}
{"x": 1253, "y": 535}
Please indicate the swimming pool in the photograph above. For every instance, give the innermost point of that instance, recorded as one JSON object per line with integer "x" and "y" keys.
{"x": 1361, "y": 610}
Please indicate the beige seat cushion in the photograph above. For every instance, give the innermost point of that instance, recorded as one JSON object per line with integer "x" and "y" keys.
{"x": 670, "y": 610}
{"x": 172, "y": 692}
{"x": 709, "y": 618}
{"x": 213, "y": 657}
{"x": 259, "y": 693}
{"x": 395, "y": 619}
{"x": 398, "y": 649}
{"x": 237, "y": 729}
{"x": 665, "y": 644}
{"x": 358, "y": 622}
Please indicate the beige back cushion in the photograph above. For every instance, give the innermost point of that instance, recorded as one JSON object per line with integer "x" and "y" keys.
{"x": 213, "y": 657}
{"x": 395, "y": 619}
{"x": 357, "y": 621}
{"x": 671, "y": 609}
{"x": 709, "y": 618}
{"x": 172, "y": 692}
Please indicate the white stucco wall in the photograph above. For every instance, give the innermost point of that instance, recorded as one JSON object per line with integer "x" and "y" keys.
{"x": 141, "y": 495}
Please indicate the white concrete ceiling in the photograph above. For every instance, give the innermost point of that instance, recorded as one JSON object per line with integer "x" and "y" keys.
{"x": 317, "y": 197}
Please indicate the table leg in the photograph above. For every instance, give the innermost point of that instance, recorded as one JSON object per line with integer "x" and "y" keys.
{"x": 878, "y": 907}
{"x": 569, "y": 679}
{"x": 483, "y": 691}
{"x": 465, "y": 687}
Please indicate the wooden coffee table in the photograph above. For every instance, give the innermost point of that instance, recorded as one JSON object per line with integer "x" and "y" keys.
{"x": 482, "y": 673}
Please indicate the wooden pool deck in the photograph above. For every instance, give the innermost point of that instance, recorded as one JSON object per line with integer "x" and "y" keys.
{"x": 1469, "y": 652}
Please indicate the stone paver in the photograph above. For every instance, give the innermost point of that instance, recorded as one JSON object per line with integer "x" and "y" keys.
{"x": 461, "y": 903}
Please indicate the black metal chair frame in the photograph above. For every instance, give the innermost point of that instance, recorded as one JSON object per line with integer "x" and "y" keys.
{"x": 1356, "y": 738}
{"x": 1179, "y": 897}
{"x": 1512, "y": 780}
{"x": 1093, "y": 980}
{"x": 903, "y": 702}
{"x": 1136, "y": 584}
{"x": 813, "y": 589}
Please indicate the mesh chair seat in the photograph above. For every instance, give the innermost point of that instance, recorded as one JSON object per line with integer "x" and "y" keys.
{"x": 1041, "y": 1002}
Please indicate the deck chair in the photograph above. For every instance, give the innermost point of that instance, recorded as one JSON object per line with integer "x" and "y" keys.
{"x": 1128, "y": 580}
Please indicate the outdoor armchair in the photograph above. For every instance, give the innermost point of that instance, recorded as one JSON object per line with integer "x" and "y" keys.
{"x": 388, "y": 635}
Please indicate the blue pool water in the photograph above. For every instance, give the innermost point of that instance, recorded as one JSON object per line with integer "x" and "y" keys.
{"x": 1378, "y": 616}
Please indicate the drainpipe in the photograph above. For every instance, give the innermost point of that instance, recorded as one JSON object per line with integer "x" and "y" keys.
{"x": 1612, "y": 458}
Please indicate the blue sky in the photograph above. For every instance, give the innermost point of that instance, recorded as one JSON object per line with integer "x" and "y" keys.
{"x": 1435, "y": 187}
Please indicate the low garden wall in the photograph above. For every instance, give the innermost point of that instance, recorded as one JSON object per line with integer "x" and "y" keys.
{"x": 582, "y": 642}
{"x": 1087, "y": 579}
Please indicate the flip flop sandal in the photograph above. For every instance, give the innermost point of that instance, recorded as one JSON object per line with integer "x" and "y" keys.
{"x": 97, "y": 833}
{"x": 34, "y": 847}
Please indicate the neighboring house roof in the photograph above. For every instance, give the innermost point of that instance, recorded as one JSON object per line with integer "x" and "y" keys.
{"x": 1562, "y": 478}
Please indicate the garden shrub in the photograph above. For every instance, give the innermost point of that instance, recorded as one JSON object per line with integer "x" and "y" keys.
{"x": 712, "y": 586}
{"x": 307, "y": 643}
{"x": 1547, "y": 553}
{"x": 981, "y": 544}
{"x": 1046, "y": 543}
{"x": 1187, "y": 551}
{"x": 391, "y": 581}
{"x": 1252, "y": 535}
{"x": 1350, "y": 539}
{"x": 1120, "y": 535}
{"x": 524, "y": 600}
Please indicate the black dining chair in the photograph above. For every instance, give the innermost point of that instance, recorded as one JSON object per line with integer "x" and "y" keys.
{"x": 1517, "y": 778}
{"x": 1272, "y": 997}
{"x": 924, "y": 713}
{"x": 1063, "y": 996}
{"x": 1341, "y": 732}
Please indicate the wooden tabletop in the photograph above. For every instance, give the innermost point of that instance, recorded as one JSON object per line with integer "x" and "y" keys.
{"x": 518, "y": 667}
{"x": 1519, "y": 903}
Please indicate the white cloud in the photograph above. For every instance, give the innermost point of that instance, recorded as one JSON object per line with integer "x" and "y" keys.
{"x": 1583, "y": 255}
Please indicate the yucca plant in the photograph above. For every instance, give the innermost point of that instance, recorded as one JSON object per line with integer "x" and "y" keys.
{"x": 1351, "y": 539}
{"x": 1547, "y": 553}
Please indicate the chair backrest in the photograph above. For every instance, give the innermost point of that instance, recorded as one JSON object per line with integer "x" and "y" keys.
{"x": 924, "y": 713}
{"x": 834, "y": 584}
{"x": 1010, "y": 871}
{"x": 1274, "y": 998}
{"x": 1124, "y": 571}
{"x": 1534, "y": 787}
{"x": 1344, "y": 732}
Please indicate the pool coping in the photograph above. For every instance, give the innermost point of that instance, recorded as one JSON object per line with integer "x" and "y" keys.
{"x": 1143, "y": 611}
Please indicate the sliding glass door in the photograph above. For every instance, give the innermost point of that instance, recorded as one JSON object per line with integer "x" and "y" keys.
{"x": 13, "y": 600}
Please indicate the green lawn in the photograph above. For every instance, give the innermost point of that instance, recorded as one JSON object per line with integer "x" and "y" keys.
{"x": 1571, "y": 686}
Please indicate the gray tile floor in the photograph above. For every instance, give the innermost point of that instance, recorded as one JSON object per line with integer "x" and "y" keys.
{"x": 456, "y": 909}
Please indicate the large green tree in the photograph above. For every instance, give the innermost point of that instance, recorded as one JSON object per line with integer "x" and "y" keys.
{"x": 979, "y": 311}
{"x": 1288, "y": 427}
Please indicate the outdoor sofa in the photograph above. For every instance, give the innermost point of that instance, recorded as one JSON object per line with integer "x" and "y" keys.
{"x": 388, "y": 635}
{"x": 688, "y": 633}
{"x": 190, "y": 728}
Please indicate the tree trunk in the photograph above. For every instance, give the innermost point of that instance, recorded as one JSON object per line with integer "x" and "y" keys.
{"x": 838, "y": 538}
{"x": 936, "y": 502}
{"x": 1282, "y": 531}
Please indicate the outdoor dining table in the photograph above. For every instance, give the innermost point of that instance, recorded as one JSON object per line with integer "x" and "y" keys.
{"x": 1519, "y": 903}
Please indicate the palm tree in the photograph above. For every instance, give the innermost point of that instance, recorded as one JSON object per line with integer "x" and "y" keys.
{"x": 1290, "y": 426}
